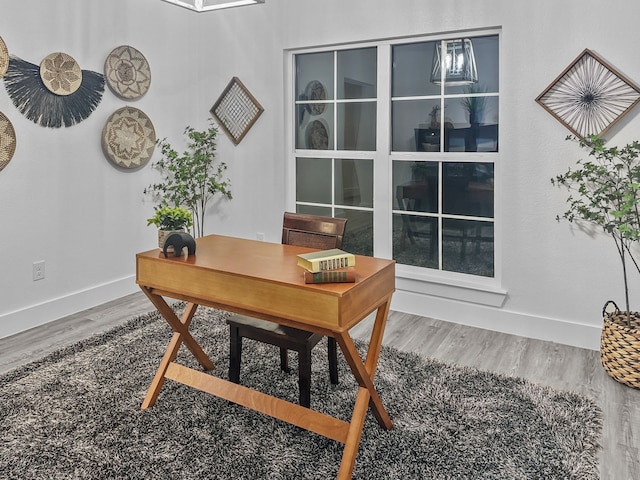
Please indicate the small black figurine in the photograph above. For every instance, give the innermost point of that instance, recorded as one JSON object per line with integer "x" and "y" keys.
{"x": 178, "y": 241}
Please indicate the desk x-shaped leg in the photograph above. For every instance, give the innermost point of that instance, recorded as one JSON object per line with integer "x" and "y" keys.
{"x": 181, "y": 334}
{"x": 367, "y": 394}
{"x": 348, "y": 433}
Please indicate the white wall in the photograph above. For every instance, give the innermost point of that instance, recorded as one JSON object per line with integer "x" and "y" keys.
{"x": 61, "y": 201}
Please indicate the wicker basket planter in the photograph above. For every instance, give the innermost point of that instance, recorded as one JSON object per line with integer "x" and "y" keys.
{"x": 620, "y": 347}
{"x": 162, "y": 237}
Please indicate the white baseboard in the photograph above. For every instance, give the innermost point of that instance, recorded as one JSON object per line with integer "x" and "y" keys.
{"x": 474, "y": 315}
{"x": 498, "y": 319}
{"x": 45, "y": 312}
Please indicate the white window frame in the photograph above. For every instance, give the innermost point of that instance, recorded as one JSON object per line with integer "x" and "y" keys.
{"x": 441, "y": 283}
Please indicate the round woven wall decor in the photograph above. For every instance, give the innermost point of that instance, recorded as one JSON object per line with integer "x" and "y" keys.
{"x": 60, "y": 73}
{"x": 316, "y": 91}
{"x": 317, "y": 135}
{"x": 127, "y": 72}
{"x": 4, "y": 58}
{"x": 7, "y": 141}
{"x": 128, "y": 138}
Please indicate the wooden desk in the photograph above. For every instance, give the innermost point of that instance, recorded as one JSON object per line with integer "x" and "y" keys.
{"x": 263, "y": 280}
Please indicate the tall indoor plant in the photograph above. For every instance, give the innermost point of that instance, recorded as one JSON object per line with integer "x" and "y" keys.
{"x": 191, "y": 179}
{"x": 604, "y": 191}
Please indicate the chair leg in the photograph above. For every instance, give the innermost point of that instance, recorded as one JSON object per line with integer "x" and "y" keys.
{"x": 284, "y": 360}
{"x": 235, "y": 354}
{"x": 304, "y": 377}
{"x": 333, "y": 360}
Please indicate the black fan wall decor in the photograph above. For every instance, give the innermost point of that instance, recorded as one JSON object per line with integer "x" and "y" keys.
{"x": 55, "y": 93}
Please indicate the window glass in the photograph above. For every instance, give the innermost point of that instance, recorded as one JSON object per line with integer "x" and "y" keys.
{"x": 416, "y": 186}
{"x": 467, "y": 189}
{"x": 467, "y": 247}
{"x": 357, "y": 73}
{"x": 313, "y": 181}
{"x": 416, "y": 126}
{"x": 315, "y": 127}
{"x": 314, "y": 210}
{"x": 358, "y": 234}
{"x": 485, "y": 50}
{"x": 314, "y": 76}
{"x": 354, "y": 182}
{"x": 314, "y": 98}
{"x": 357, "y": 126}
{"x": 471, "y": 124}
{"x": 412, "y": 65}
{"x": 415, "y": 240}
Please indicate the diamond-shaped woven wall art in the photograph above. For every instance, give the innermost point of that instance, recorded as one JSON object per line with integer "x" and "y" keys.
{"x": 236, "y": 110}
{"x": 589, "y": 96}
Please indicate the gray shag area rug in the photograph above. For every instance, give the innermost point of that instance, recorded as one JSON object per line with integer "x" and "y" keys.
{"x": 76, "y": 414}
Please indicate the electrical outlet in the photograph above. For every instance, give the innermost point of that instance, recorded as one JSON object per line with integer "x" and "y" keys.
{"x": 260, "y": 236}
{"x": 38, "y": 270}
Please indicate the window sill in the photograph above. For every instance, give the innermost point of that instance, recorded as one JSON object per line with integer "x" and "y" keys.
{"x": 480, "y": 291}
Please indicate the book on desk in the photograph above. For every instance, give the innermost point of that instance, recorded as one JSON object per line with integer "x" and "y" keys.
{"x": 328, "y": 266}
{"x": 325, "y": 260}
{"x": 330, "y": 276}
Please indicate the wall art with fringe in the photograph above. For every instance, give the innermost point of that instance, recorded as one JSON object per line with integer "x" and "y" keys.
{"x": 55, "y": 93}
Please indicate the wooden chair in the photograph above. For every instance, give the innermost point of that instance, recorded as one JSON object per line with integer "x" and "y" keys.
{"x": 304, "y": 230}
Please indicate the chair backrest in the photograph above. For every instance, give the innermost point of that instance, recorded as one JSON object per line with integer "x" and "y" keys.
{"x": 313, "y": 231}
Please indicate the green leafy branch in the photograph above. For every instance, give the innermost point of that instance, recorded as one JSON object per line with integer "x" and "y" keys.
{"x": 193, "y": 178}
{"x": 604, "y": 191}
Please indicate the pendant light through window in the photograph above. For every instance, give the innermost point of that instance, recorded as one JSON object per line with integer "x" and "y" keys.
{"x": 458, "y": 64}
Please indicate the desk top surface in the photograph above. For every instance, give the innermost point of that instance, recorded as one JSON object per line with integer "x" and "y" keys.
{"x": 263, "y": 279}
{"x": 264, "y": 260}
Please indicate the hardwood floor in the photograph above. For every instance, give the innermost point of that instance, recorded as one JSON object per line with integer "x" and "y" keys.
{"x": 545, "y": 363}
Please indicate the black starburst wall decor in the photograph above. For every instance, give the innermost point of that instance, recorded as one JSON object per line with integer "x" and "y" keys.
{"x": 589, "y": 96}
{"x": 55, "y": 93}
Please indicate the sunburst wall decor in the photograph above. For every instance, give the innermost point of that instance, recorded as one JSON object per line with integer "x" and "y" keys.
{"x": 589, "y": 96}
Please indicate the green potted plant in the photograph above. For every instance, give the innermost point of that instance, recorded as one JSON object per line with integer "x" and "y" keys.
{"x": 170, "y": 220}
{"x": 605, "y": 191}
{"x": 474, "y": 105}
{"x": 191, "y": 179}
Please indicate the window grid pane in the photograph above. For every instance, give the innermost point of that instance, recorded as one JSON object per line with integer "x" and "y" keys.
{"x": 341, "y": 186}
{"x": 457, "y": 197}
{"x": 442, "y": 210}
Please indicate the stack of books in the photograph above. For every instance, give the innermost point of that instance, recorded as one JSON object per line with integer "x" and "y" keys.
{"x": 328, "y": 266}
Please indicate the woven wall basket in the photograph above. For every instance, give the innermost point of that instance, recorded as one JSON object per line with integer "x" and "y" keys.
{"x": 620, "y": 347}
